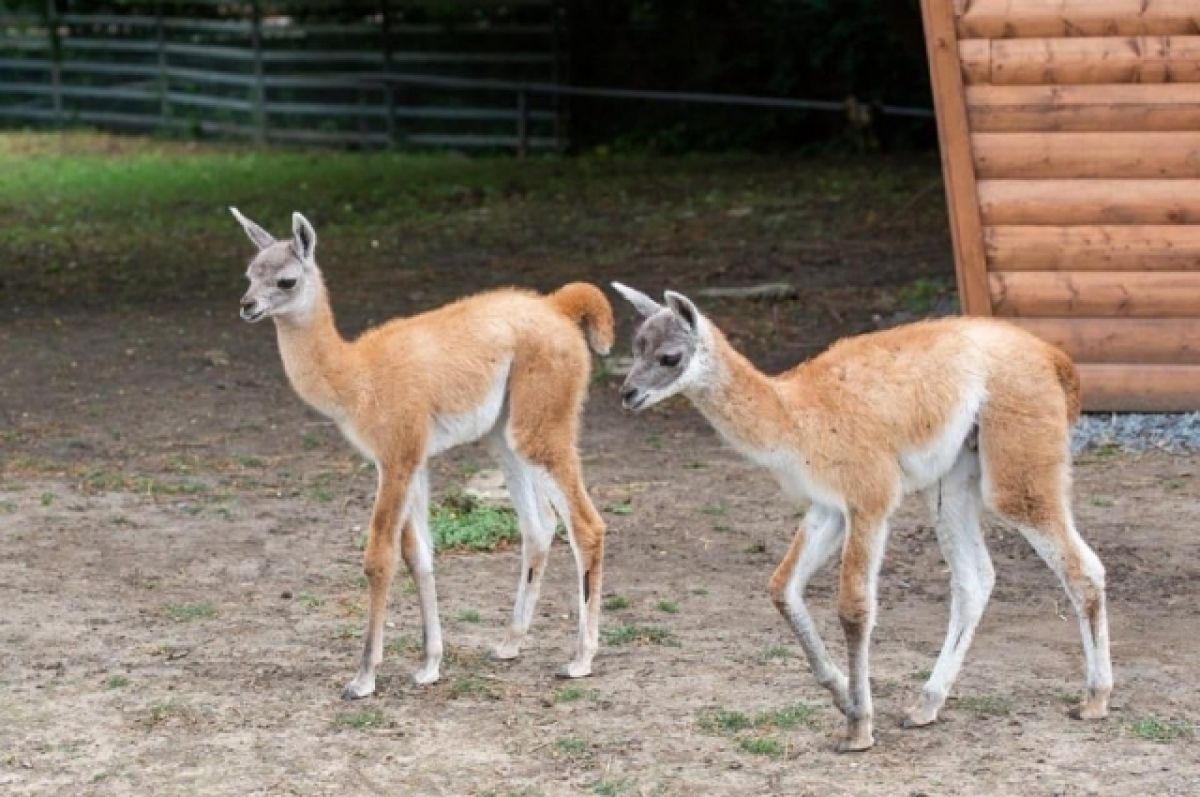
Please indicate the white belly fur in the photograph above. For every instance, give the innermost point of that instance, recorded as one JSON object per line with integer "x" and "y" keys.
{"x": 452, "y": 430}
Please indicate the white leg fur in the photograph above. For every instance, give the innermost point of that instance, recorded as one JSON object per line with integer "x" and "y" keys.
{"x": 955, "y": 506}
{"x": 537, "y": 522}
{"x": 589, "y": 626}
{"x": 419, "y": 558}
{"x": 824, "y": 530}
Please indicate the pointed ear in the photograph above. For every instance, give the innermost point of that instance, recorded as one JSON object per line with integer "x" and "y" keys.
{"x": 258, "y": 236}
{"x": 640, "y": 301}
{"x": 304, "y": 238}
{"x": 682, "y": 306}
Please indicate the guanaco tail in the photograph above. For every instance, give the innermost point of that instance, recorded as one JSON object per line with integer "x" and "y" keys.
{"x": 508, "y": 366}
{"x": 973, "y": 413}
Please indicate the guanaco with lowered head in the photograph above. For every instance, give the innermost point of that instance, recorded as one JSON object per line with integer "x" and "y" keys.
{"x": 507, "y": 365}
{"x": 973, "y": 413}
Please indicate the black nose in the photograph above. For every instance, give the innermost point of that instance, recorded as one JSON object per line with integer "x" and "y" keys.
{"x": 628, "y": 394}
{"x": 247, "y": 306}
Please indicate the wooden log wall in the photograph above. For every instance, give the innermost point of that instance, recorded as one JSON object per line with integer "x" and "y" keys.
{"x": 1070, "y": 135}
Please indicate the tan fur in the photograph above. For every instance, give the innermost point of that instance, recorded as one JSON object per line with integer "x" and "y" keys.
{"x": 881, "y": 415}
{"x": 386, "y": 388}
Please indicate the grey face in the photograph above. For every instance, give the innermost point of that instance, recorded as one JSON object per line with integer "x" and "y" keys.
{"x": 664, "y": 348}
{"x": 283, "y": 274}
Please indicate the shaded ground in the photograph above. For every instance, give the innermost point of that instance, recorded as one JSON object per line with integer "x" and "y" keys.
{"x": 179, "y": 538}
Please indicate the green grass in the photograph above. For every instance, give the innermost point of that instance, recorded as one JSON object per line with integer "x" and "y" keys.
{"x": 469, "y": 616}
{"x": 310, "y": 601}
{"x": 638, "y": 634}
{"x": 670, "y": 607}
{"x": 1153, "y": 729}
{"x": 615, "y": 603}
{"x": 620, "y": 508}
{"x": 610, "y": 788}
{"x": 777, "y": 652}
{"x": 758, "y": 745}
{"x": 470, "y": 686}
{"x": 47, "y": 499}
{"x": 569, "y": 694}
{"x": 361, "y": 720}
{"x": 763, "y": 734}
{"x": 570, "y": 745}
{"x": 187, "y": 612}
{"x": 116, "y": 682}
{"x": 987, "y": 705}
{"x": 459, "y": 521}
{"x": 714, "y": 509}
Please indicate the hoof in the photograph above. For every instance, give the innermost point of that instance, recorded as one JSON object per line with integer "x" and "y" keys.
{"x": 856, "y": 744}
{"x": 916, "y": 720}
{"x": 924, "y": 713}
{"x": 575, "y": 669}
{"x": 426, "y": 676}
{"x": 1088, "y": 711}
{"x": 503, "y": 653}
{"x": 356, "y": 691}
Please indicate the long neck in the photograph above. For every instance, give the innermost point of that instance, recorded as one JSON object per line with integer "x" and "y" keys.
{"x": 740, "y": 401}
{"x": 318, "y": 361}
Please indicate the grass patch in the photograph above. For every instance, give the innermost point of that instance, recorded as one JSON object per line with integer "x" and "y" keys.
{"x": 569, "y": 694}
{"x": 116, "y": 682}
{"x": 570, "y": 745}
{"x": 757, "y": 745}
{"x": 360, "y": 720}
{"x": 620, "y": 508}
{"x": 1102, "y": 501}
{"x": 167, "y": 710}
{"x": 1153, "y": 729}
{"x": 310, "y": 601}
{"x": 470, "y": 686}
{"x": 638, "y": 635}
{"x": 460, "y": 521}
{"x": 469, "y": 616}
{"x": 610, "y": 788}
{"x": 777, "y": 652}
{"x": 987, "y": 705}
{"x": 615, "y": 603}
{"x": 47, "y": 499}
{"x": 187, "y": 612}
{"x": 713, "y": 509}
{"x": 761, "y": 734}
{"x": 670, "y": 607}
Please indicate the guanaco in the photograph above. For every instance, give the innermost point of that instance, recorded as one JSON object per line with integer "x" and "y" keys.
{"x": 973, "y": 413}
{"x": 506, "y": 365}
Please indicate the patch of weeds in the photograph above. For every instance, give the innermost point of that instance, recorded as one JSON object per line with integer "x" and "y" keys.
{"x": 1153, "y": 729}
{"x": 713, "y": 509}
{"x": 700, "y": 591}
{"x": 460, "y": 521}
{"x": 722, "y": 527}
{"x": 615, "y": 603}
{"x": 759, "y": 745}
{"x": 793, "y": 716}
{"x": 1103, "y": 501}
{"x": 167, "y": 710}
{"x": 348, "y": 632}
{"x": 47, "y": 499}
{"x": 310, "y": 442}
{"x": 610, "y": 788}
{"x": 403, "y": 645}
{"x": 187, "y": 612}
{"x": 7, "y": 507}
{"x": 777, "y": 652}
{"x": 638, "y": 634}
{"x": 251, "y": 462}
{"x": 620, "y": 508}
{"x": 922, "y": 675}
{"x": 569, "y": 694}
{"x": 570, "y": 745}
{"x": 987, "y": 705}
{"x": 468, "y": 616}
{"x": 670, "y": 607}
{"x": 470, "y": 686}
{"x": 360, "y": 720}
{"x": 310, "y": 601}
{"x": 921, "y": 295}
{"x": 724, "y": 722}
{"x": 320, "y": 494}
{"x": 1066, "y": 696}
{"x": 755, "y": 547}
{"x": 695, "y": 464}
{"x": 116, "y": 682}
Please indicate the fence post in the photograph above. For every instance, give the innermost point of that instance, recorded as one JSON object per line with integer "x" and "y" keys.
{"x": 522, "y": 123}
{"x": 385, "y": 43}
{"x": 55, "y": 60}
{"x": 164, "y": 110}
{"x": 260, "y": 113}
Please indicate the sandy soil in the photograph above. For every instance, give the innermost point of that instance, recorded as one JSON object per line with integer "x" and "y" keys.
{"x": 182, "y": 599}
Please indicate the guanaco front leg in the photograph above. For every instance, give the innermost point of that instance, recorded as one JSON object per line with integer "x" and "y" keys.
{"x": 379, "y": 563}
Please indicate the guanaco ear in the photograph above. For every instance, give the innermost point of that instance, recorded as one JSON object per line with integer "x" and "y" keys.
{"x": 304, "y": 238}
{"x": 640, "y": 301}
{"x": 258, "y": 236}
{"x": 682, "y": 306}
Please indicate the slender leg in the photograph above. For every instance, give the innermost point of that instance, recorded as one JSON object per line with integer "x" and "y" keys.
{"x": 955, "y": 506}
{"x": 379, "y": 563}
{"x": 416, "y": 545}
{"x": 585, "y": 531}
{"x": 816, "y": 541}
{"x": 861, "y": 559}
{"x": 537, "y": 533}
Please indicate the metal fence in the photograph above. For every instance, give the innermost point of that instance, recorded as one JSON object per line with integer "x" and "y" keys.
{"x": 287, "y": 71}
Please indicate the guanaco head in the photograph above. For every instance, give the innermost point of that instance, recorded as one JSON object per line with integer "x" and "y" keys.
{"x": 669, "y": 348}
{"x": 283, "y": 275}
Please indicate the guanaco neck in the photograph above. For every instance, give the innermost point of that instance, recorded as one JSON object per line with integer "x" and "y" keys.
{"x": 740, "y": 401}
{"x": 319, "y": 363}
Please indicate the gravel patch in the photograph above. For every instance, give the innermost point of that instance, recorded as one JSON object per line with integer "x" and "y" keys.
{"x": 1138, "y": 432}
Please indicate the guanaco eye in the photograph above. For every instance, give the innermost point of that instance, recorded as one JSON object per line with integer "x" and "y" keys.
{"x": 670, "y": 360}
{"x": 287, "y": 285}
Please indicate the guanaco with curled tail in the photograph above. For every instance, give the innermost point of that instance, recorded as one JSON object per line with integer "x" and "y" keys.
{"x": 973, "y": 413}
{"x": 508, "y": 365}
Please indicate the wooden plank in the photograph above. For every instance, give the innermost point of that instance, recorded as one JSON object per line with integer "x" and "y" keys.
{"x": 958, "y": 169}
{"x": 1158, "y": 154}
{"x": 1007, "y": 19}
{"x": 1154, "y": 294}
{"x": 1064, "y": 202}
{"x": 1117, "y": 340}
{"x": 1106, "y": 108}
{"x": 1129, "y": 59}
{"x": 1168, "y": 247}
{"x": 1140, "y": 388}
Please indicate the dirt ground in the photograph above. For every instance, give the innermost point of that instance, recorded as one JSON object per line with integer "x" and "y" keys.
{"x": 182, "y": 597}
